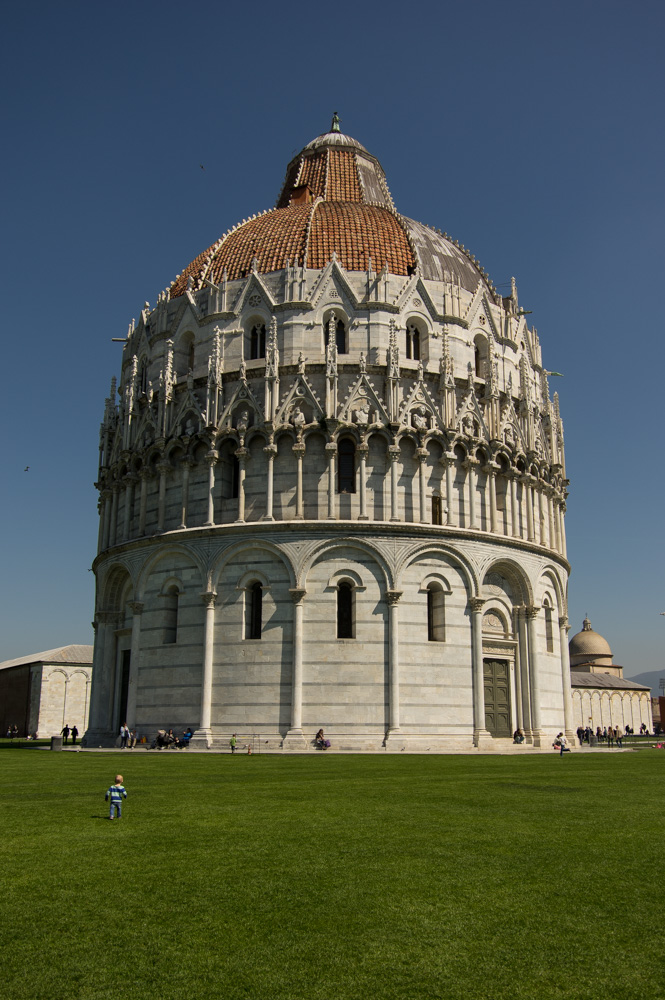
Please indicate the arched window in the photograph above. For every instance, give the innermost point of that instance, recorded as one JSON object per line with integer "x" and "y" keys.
{"x": 435, "y": 613}
{"x": 171, "y": 598}
{"x": 437, "y": 510}
{"x": 190, "y": 356}
{"x": 480, "y": 354}
{"x": 412, "y": 342}
{"x": 345, "y": 609}
{"x": 142, "y": 378}
{"x": 549, "y": 630}
{"x": 340, "y": 335}
{"x": 235, "y": 477}
{"x": 254, "y": 611}
{"x": 346, "y": 466}
{"x": 257, "y": 342}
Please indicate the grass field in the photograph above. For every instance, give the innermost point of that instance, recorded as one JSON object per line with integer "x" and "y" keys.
{"x": 332, "y": 877}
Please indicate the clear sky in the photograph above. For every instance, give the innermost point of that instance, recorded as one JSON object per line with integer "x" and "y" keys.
{"x": 532, "y": 133}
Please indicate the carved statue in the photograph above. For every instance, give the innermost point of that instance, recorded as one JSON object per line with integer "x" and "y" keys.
{"x": 243, "y": 370}
{"x": 419, "y": 419}
{"x": 361, "y": 412}
{"x": 243, "y": 422}
{"x": 298, "y": 420}
{"x": 301, "y": 363}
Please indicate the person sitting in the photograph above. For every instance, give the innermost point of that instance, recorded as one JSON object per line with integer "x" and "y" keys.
{"x": 186, "y": 737}
{"x": 518, "y": 736}
{"x": 320, "y": 740}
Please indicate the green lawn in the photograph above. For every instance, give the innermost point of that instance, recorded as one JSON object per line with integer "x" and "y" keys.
{"x": 330, "y": 877}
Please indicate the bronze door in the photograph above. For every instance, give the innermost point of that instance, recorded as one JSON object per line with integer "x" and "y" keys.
{"x": 497, "y": 697}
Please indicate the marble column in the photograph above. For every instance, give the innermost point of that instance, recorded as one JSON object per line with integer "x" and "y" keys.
{"x": 294, "y": 738}
{"x": 331, "y": 452}
{"x": 421, "y": 458}
{"x": 393, "y": 597}
{"x": 115, "y": 490}
{"x": 135, "y": 652}
{"x": 569, "y": 725}
{"x": 363, "y": 451}
{"x": 393, "y": 457}
{"x": 491, "y": 482}
{"x": 515, "y": 524}
{"x": 270, "y": 451}
{"x": 551, "y": 540}
{"x": 519, "y": 716}
{"x": 242, "y": 454}
{"x": 564, "y": 551}
{"x": 528, "y": 496}
{"x": 448, "y": 463}
{"x": 100, "y": 725}
{"x": 541, "y": 515}
{"x": 534, "y": 678}
{"x": 143, "y": 500}
{"x": 480, "y": 734}
{"x": 163, "y": 469}
{"x": 469, "y": 465}
{"x": 204, "y": 733}
{"x": 106, "y": 516}
{"x": 299, "y": 451}
{"x": 130, "y": 483}
{"x": 523, "y": 648}
{"x": 184, "y": 499}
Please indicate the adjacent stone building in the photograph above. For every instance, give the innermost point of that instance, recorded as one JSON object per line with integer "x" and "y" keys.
{"x": 332, "y": 489}
{"x": 602, "y": 696}
{"x": 43, "y": 692}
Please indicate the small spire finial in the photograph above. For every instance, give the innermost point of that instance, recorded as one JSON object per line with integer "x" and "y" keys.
{"x": 335, "y": 122}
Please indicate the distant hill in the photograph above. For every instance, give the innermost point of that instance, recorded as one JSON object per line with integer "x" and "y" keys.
{"x": 652, "y": 679}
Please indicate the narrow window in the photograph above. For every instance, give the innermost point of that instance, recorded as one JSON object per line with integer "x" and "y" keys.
{"x": 549, "y": 633}
{"x": 257, "y": 342}
{"x": 346, "y": 472}
{"x": 345, "y": 611}
{"x": 437, "y": 511}
{"x": 254, "y": 612}
{"x": 235, "y": 478}
{"x": 412, "y": 342}
{"x": 171, "y": 615}
{"x": 190, "y": 356}
{"x": 435, "y": 613}
{"x": 340, "y": 336}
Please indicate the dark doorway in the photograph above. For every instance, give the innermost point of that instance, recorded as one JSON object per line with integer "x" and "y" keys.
{"x": 124, "y": 686}
{"x": 497, "y": 697}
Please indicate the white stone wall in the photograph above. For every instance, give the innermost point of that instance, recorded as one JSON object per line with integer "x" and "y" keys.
{"x": 65, "y": 698}
{"x": 612, "y": 708}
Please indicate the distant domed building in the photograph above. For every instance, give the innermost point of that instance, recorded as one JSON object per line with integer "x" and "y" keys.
{"x": 332, "y": 489}
{"x": 601, "y": 695}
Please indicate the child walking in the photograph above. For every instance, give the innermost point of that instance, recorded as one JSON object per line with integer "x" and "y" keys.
{"x": 115, "y": 794}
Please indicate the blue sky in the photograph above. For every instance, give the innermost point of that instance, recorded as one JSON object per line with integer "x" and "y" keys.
{"x": 532, "y": 133}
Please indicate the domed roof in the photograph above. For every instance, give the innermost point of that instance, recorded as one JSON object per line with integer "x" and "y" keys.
{"x": 335, "y": 200}
{"x": 588, "y": 643}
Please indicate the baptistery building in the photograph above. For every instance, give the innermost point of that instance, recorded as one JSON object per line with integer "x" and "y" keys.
{"x": 332, "y": 489}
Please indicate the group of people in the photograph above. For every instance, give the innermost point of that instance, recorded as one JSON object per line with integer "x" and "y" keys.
{"x": 66, "y": 732}
{"x": 608, "y": 734}
{"x": 128, "y": 737}
{"x": 12, "y": 732}
{"x": 167, "y": 739}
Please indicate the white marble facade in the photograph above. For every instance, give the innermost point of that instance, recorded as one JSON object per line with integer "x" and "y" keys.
{"x": 333, "y": 497}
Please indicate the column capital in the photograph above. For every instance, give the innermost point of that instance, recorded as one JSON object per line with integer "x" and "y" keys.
{"x": 470, "y": 463}
{"x": 297, "y": 594}
{"x": 211, "y": 458}
{"x": 299, "y": 449}
{"x": 362, "y": 450}
{"x": 393, "y": 596}
{"x": 270, "y": 450}
{"x": 163, "y": 467}
{"x": 108, "y": 618}
{"x": 145, "y": 473}
{"x": 331, "y": 449}
{"x": 421, "y": 454}
{"x": 531, "y": 611}
{"x": 394, "y": 452}
{"x": 136, "y": 607}
{"x": 476, "y": 604}
{"x": 209, "y": 598}
{"x": 242, "y": 454}
{"x": 563, "y": 622}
